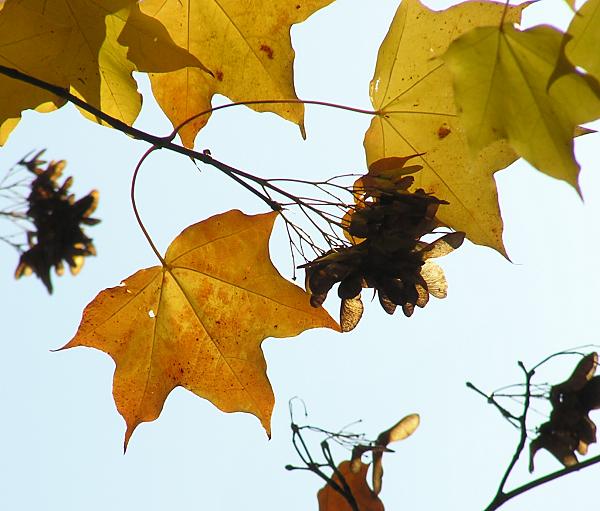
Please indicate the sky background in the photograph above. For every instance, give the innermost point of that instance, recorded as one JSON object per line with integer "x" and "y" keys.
{"x": 60, "y": 434}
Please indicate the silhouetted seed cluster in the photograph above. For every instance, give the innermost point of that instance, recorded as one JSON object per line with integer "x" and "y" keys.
{"x": 388, "y": 255}
{"x": 570, "y": 429}
{"x": 58, "y": 220}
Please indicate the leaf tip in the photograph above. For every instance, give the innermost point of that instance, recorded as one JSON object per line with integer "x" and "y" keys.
{"x": 128, "y": 433}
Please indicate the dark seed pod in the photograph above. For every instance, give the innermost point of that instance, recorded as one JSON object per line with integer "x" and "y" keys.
{"x": 351, "y": 286}
{"x": 386, "y": 304}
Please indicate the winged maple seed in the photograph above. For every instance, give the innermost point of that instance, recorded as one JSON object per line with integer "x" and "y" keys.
{"x": 385, "y": 227}
{"x": 399, "y": 431}
{"x": 351, "y": 475}
{"x": 570, "y": 429}
{"x": 57, "y": 218}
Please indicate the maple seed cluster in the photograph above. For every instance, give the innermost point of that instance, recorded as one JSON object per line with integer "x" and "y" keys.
{"x": 57, "y": 218}
{"x": 387, "y": 255}
{"x": 570, "y": 429}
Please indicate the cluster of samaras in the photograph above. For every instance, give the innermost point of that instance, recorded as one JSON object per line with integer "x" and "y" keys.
{"x": 385, "y": 227}
{"x": 57, "y": 218}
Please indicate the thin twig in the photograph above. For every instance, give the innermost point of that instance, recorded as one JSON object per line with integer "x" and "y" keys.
{"x": 490, "y": 399}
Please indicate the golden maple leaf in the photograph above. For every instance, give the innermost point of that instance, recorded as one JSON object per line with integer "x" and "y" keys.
{"x": 246, "y": 45}
{"x": 539, "y": 116}
{"x": 412, "y": 91}
{"x": 199, "y": 320}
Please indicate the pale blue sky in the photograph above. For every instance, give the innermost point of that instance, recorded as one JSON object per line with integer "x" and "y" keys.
{"x": 60, "y": 434}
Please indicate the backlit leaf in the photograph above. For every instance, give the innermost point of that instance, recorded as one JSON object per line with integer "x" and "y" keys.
{"x": 22, "y": 31}
{"x": 366, "y": 499}
{"x": 246, "y": 44}
{"x": 584, "y": 38}
{"x": 570, "y": 429}
{"x": 538, "y": 119}
{"x": 95, "y": 63}
{"x": 199, "y": 321}
{"x": 151, "y": 48}
{"x": 412, "y": 90}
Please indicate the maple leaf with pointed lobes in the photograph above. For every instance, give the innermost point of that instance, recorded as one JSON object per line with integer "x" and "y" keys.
{"x": 539, "y": 116}
{"x": 412, "y": 91}
{"x": 198, "y": 322}
{"x": 246, "y": 44}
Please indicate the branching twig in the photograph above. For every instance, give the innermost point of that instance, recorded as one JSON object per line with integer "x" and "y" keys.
{"x": 490, "y": 399}
{"x": 500, "y": 496}
{"x": 261, "y": 187}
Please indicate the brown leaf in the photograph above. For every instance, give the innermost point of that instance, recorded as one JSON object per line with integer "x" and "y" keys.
{"x": 330, "y": 500}
{"x": 570, "y": 429}
{"x": 583, "y": 373}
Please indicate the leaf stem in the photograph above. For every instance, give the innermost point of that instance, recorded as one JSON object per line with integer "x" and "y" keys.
{"x": 134, "y": 205}
{"x": 167, "y": 142}
{"x": 274, "y": 102}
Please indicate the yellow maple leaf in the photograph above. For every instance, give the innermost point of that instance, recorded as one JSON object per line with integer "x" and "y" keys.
{"x": 198, "y": 322}
{"x": 584, "y": 38}
{"x": 503, "y": 88}
{"x": 366, "y": 500}
{"x": 151, "y": 48}
{"x": 90, "y": 47}
{"x": 246, "y": 44}
{"x": 412, "y": 91}
{"x": 22, "y": 30}
{"x": 94, "y": 64}
{"x": 502, "y": 85}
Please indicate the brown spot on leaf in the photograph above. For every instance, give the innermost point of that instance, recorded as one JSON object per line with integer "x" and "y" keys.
{"x": 443, "y": 131}
{"x": 219, "y": 75}
{"x": 268, "y": 50}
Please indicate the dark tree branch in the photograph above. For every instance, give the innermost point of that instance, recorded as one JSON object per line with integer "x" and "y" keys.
{"x": 542, "y": 480}
{"x": 254, "y": 184}
{"x": 160, "y": 142}
{"x": 503, "y": 496}
{"x": 500, "y": 496}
